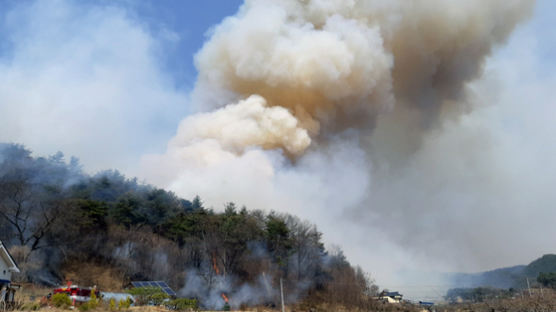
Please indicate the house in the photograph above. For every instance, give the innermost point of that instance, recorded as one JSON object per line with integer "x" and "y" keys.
{"x": 390, "y": 297}
{"x": 7, "y": 267}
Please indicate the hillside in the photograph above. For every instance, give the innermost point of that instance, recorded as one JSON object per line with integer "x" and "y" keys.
{"x": 499, "y": 278}
{"x": 105, "y": 229}
{"x": 546, "y": 263}
{"x": 510, "y": 277}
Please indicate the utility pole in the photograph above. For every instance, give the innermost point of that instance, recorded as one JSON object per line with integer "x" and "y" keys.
{"x": 529, "y": 287}
{"x": 282, "y": 295}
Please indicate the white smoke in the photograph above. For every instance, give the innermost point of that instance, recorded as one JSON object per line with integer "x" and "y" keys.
{"x": 248, "y": 123}
{"x": 365, "y": 121}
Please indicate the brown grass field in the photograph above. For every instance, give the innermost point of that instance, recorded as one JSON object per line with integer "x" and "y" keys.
{"x": 28, "y": 298}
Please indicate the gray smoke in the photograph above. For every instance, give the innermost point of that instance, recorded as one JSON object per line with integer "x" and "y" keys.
{"x": 209, "y": 293}
{"x": 365, "y": 117}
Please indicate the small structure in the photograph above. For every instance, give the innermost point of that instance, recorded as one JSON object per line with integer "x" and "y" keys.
{"x": 107, "y": 296}
{"x": 425, "y": 304}
{"x": 7, "y": 267}
{"x": 390, "y": 297}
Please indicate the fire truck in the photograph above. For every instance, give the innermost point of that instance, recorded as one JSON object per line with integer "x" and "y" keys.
{"x": 77, "y": 294}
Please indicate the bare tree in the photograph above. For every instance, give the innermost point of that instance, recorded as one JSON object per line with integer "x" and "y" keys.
{"x": 30, "y": 217}
{"x": 307, "y": 248}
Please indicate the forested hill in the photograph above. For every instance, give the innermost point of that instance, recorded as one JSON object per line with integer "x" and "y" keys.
{"x": 510, "y": 277}
{"x": 55, "y": 219}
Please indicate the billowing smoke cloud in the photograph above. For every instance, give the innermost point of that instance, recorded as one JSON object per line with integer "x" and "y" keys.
{"x": 340, "y": 63}
{"x": 357, "y": 115}
{"x": 248, "y": 123}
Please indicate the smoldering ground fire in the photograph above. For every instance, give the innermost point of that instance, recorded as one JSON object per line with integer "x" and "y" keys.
{"x": 223, "y": 295}
{"x": 332, "y": 109}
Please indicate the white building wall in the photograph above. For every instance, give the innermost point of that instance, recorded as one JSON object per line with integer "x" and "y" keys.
{"x": 5, "y": 274}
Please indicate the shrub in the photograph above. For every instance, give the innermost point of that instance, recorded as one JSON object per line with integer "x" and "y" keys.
{"x": 31, "y": 306}
{"x": 124, "y": 304}
{"x": 85, "y": 307}
{"x": 547, "y": 279}
{"x": 158, "y": 298}
{"x": 183, "y": 304}
{"x": 61, "y": 300}
{"x": 93, "y": 301}
{"x": 148, "y": 295}
{"x": 112, "y": 304}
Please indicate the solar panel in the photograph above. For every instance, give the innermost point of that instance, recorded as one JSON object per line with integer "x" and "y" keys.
{"x": 158, "y": 284}
{"x": 169, "y": 291}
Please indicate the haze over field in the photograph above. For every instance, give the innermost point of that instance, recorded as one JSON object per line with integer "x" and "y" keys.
{"x": 417, "y": 135}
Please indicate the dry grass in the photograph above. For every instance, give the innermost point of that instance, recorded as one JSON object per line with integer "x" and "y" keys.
{"x": 537, "y": 302}
{"x": 90, "y": 274}
{"x": 138, "y": 309}
{"x": 30, "y": 292}
{"x": 30, "y": 295}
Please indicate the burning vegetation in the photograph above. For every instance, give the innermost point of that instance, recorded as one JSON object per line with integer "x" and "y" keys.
{"x": 139, "y": 232}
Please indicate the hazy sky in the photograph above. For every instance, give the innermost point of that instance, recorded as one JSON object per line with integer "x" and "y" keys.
{"x": 109, "y": 82}
{"x": 105, "y": 81}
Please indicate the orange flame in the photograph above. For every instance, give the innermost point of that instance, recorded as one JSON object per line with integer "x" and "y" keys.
{"x": 224, "y": 297}
{"x": 214, "y": 266}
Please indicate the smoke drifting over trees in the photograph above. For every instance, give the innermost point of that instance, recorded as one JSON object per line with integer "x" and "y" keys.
{"x": 54, "y": 218}
{"x": 402, "y": 149}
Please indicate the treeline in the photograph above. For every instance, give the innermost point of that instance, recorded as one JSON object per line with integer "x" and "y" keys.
{"x": 532, "y": 278}
{"x": 53, "y": 215}
{"x": 540, "y": 272}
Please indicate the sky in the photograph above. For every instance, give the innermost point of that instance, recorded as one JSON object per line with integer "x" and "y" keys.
{"x": 188, "y": 23}
{"x": 110, "y": 81}
{"x": 71, "y": 84}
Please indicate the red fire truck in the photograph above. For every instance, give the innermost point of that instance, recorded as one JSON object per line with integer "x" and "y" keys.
{"x": 77, "y": 294}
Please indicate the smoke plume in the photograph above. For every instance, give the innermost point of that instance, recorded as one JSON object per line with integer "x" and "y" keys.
{"x": 355, "y": 115}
